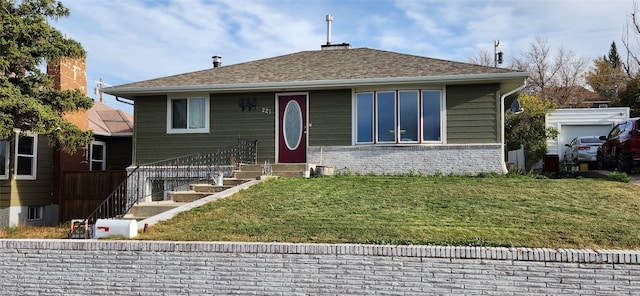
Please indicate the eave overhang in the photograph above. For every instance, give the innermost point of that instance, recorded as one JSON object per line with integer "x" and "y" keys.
{"x": 114, "y": 135}
{"x": 507, "y": 80}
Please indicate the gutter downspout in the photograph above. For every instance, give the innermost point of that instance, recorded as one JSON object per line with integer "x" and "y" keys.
{"x": 121, "y": 101}
{"x": 503, "y": 162}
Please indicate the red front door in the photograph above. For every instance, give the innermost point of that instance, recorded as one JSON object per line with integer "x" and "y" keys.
{"x": 292, "y": 129}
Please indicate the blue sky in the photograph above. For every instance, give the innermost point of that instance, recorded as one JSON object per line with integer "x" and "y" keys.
{"x": 134, "y": 40}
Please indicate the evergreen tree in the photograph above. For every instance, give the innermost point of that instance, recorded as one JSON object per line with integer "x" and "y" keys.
{"x": 28, "y": 101}
{"x": 607, "y": 76}
{"x": 614, "y": 58}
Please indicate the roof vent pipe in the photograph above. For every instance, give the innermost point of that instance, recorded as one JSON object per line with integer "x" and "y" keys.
{"x": 329, "y": 19}
{"x": 217, "y": 61}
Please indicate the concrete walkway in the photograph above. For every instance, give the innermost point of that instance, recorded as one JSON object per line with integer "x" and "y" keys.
{"x": 172, "y": 213}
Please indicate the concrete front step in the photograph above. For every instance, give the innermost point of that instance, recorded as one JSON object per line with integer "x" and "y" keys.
{"x": 149, "y": 209}
{"x": 256, "y": 174}
{"x": 285, "y": 170}
{"x": 234, "y": 181}
{"x": 191, "y": 195}
{"x": 177, "y": 198}
{"x": 209, "y": 188}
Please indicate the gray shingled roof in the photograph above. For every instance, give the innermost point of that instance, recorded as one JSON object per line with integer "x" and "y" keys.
{"x": 314, "y": 66}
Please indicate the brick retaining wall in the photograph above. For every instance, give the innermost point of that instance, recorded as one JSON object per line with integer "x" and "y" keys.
{"x": 77, "y": 267}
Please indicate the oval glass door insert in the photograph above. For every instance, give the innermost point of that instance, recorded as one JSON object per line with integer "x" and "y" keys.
{"x": 292, "y": 125}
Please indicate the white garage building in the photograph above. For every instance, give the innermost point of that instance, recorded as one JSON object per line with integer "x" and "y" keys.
{"x": 573, "y": 123}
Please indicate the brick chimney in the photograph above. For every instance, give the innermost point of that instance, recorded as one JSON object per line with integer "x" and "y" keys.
{"x": 70, "y": 73}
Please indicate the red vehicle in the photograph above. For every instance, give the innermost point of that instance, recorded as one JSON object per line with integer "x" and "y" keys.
{"x": 621, "y": 147}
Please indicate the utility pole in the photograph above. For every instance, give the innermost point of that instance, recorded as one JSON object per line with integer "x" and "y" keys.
{"x": 99, "y": 88}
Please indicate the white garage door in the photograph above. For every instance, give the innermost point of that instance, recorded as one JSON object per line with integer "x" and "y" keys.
{"x": 568, "y": 132}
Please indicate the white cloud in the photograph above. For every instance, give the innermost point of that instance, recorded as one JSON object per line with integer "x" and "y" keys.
{"x": 129, "y": 41}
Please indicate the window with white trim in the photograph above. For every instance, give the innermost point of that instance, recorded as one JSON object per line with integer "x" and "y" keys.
{"x": 4, "y": 159}
{"x": 399, "y": 116}
{"x": 98, "y": 156}
{"x": 364, "y": 118}
{"x": 431, "y": 116}
{"x": 188, "y": 114}
{"x": 26, "y": 156}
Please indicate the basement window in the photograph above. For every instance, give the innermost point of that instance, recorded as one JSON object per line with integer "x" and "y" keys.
{"x": 34, "y": 213}
{"x": 187, "y": 114}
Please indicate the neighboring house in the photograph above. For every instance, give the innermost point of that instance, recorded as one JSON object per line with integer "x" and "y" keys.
{"x": 359, "y": 110}
{"x": 31, "y": 171}
{"x": 575, "y": 97}
{"x": 112, "y": 133}
{"x": 584, "y": 98}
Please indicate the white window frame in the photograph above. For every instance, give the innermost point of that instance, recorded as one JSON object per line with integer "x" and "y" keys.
{"x": 4, "y": 175}
{"x": 398, "y": 139}
{"x": 104, "y": 155}
{"x": 34, "y": 213}
{"x": 34, "y": 156}
{"x": 356, "y": 129}
{"x": 187, "y": 130}
{"x": 418, "y": 126}
{"x": 443, "y": 119}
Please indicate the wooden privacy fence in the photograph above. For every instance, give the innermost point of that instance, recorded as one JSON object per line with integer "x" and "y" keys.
{"x": 83, "y": 192}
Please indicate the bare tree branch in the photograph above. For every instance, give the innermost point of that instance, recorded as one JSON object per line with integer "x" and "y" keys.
{"x": 482, "y": 57}
{"x": 632, "y": 63}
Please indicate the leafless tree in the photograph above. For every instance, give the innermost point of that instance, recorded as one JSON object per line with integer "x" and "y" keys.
{"x": 537, "y": 61}
{"x": 553, "y": 76}
{"x": 632, "y": 43}
{"x": 482, "y": 57}
{"x": 571, "y": 69}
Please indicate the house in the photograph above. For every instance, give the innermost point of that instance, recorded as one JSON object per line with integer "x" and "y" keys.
{"x": 112, "y": 133}
{"x": 32, "y": 172}
{"x": 570, "y": 97}
{"x": 358, "y": 110}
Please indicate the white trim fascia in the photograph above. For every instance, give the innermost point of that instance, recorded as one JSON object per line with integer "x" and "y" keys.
{"x": 354, "y": 113}
{"x": 297, "y": 85}
{"x": 443, "y": 114}
{"x": 113, "y": 135}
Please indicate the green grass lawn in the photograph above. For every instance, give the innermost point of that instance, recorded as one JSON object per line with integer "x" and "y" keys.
{"x": 475, "y": 211}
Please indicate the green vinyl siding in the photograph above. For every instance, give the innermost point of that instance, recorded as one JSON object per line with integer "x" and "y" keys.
{"x": 5, "y": 193}
{"x": 151, "y": 141}
{"x": 227, "y": 123}
{"x": 30, "y": 192}
{"x": 473, "y": 114}
{"x": 330, "y": 118}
